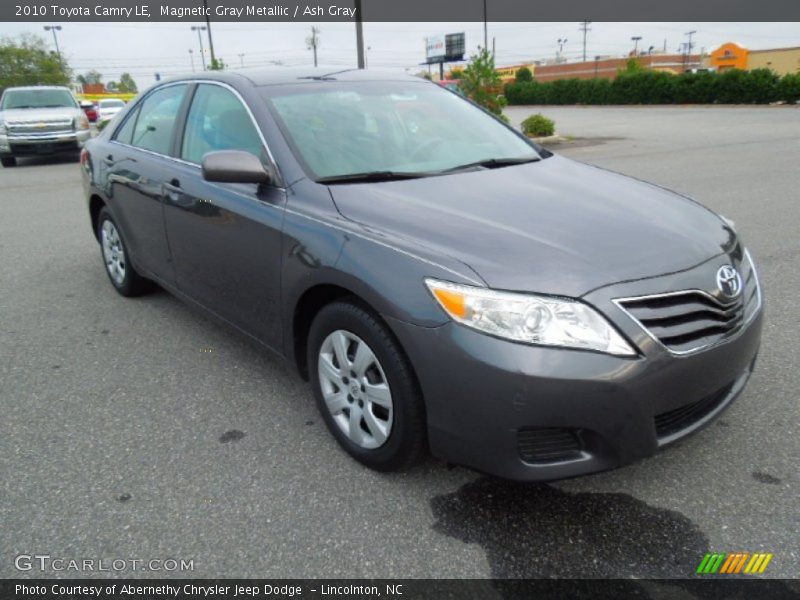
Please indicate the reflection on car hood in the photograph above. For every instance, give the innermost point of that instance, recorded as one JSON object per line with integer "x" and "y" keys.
{"x": 555, "y": 226}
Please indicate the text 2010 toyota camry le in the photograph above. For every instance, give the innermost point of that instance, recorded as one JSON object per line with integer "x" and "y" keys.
{"x": 445, "y": 284}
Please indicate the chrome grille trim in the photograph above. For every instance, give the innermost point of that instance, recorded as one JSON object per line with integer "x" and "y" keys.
{"x": 722, "y": 323}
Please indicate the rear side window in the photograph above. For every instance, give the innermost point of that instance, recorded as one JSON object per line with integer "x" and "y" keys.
{"x": 157, "y": 118}
{"x": 218, "y": 120}
{"x": 124, "y": 134}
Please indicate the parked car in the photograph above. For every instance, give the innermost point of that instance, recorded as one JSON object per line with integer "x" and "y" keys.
{"x": 40, "y": 120}
{"x": 107, "y": 108}
{"x": 90, "y": 110}
{"x": 448, "y": 286}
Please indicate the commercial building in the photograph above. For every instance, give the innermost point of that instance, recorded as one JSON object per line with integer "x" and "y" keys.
{"x": 608, "y": 68}
{"x": 782, "y": 61}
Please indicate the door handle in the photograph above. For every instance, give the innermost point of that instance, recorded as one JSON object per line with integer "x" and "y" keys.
{"x": 109, "y": 160}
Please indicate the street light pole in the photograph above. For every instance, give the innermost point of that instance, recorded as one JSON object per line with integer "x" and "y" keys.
{"x": 199, "y": 29}
{"x": 210, "y": 39}
{"x": 635, "y": 39}
{"x": 360, "y": 36}
{"x": 241, "y": 60}
{"x": 55, "y": 28}
{"x": 485, "y": 27}
{"x": 191, "y": 58}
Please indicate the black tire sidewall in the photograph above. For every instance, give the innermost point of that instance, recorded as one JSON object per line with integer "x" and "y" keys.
{"x": 400, "y": 446}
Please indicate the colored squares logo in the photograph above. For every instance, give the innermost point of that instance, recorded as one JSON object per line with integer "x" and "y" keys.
{"x": 734, "y": 563}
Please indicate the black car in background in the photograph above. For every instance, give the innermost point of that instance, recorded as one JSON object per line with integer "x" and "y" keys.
{"x": 444, "y": 283}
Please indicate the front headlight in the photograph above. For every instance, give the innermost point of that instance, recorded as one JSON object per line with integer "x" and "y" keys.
{"x": 80, "y": 123}
{"x": 3, "y": 128}
{"x": 529, "y": 318}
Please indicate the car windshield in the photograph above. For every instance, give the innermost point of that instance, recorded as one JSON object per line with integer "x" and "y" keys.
{"x": 111, "y": 104}
{"x": 41, "y": 98}
{"x": 345, "y": 129}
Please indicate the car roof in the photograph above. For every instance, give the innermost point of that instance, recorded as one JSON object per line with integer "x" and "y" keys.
{"x": 263, "y": 76}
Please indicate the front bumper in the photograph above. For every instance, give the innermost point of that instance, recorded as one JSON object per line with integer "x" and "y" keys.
{"x": 45, "y": 143}
{"x": 486, "y": 397}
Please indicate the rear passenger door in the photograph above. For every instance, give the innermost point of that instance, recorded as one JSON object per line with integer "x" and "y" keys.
{"x": 138, "y": 162}
{"x": 225, "y": 238}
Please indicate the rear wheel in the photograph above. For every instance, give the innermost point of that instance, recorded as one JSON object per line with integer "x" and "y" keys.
{"x": 365, "y": 388}
{"x": 120, "y": 271}
{"x": 8, "y": 161}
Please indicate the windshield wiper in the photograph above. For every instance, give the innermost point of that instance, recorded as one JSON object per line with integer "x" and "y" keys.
{"x": 371, "y": 177}
{"x": 493, "y": 163}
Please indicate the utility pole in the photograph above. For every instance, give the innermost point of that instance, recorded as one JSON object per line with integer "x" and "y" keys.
{"x": 312, "y": 42}
{"x": 596, "y": 65}
{"x": 55, "y": 28}
{"x": 241, "y": 59}
{"x": 635, "y": 39}
{"x": 198, "y": 29}
{"x": 585, "y": 28}
{"x": 210, "y": 39}
{"x": 191, "y": 58}
{"x": 362, "y": 63}
{"x": 688, "y": 47}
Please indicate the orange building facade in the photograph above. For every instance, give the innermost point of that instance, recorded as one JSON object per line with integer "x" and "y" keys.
{"x": 728, "y": 56}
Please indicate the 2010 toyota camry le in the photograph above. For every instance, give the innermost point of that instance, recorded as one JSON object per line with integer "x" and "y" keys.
{"x": 446, "y": 285}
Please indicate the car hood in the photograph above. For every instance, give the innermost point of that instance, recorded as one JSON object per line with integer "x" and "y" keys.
{"x": 38, "y": 114}
{"x": 555, "y": 226}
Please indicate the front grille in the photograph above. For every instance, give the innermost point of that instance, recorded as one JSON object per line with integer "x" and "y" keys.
{"x": 548, "y": 444}
{"x": 34, "y": 127}
{"x": 692, "y": 319}
{"x": 676, "y": 420}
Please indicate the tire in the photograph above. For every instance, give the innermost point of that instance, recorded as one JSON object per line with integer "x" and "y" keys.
{"x": 8, "y": 161}
{"x": 402, "y": 422}
{"x": 115, "y": 257}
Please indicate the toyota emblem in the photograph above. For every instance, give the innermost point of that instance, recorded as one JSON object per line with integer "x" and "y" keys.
{"x": 729, "y": 281}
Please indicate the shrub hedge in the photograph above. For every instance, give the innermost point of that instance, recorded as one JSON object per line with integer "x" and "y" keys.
{"x": 760, "y": 86}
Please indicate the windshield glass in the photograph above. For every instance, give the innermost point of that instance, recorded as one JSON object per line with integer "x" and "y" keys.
{"x": 43, "y": 98}
{"x": 347, "y": 128}
{"x": 111, "y": 104}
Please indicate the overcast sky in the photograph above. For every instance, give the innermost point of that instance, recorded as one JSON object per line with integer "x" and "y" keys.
{"x": 142, "y": 49}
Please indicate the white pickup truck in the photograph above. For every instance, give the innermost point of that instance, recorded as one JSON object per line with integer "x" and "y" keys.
{"x": 40, "y": 120}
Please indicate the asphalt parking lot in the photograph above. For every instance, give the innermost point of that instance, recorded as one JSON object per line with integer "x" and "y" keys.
{"x": 142, "y": 429}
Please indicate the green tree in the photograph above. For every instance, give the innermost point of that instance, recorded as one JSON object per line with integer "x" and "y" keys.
{"x": 216, "y": 65}
{"x": 126, "y": 84}
{"x": 523, "y": 75}
{"x": 456, "y": 73}
{"x": 27, "y": 61}
{"x": 482, "y": 84}
{"x": 90, "y": 78}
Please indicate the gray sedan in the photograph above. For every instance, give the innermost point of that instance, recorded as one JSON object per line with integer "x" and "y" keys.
{"x": 445, "y": 284}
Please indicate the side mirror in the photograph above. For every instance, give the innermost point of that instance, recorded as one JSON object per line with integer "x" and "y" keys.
{"x": 234, "y": 166}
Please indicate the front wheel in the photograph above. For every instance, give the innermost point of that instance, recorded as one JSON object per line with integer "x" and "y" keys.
{"x": 365, "y": 388}
{"x": 120, "y": 271}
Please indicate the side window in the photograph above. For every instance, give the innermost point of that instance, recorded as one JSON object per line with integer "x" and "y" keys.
{"x": 157, "y": 117}
{"x": 124, "y": 134}
{"x": 218, "y": 120}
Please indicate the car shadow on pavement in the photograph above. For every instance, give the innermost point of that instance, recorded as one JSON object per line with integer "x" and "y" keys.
{"x": 47, "y": 159}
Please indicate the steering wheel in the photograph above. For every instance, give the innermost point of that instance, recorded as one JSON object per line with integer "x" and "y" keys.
{"x": 425, "y": 147}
